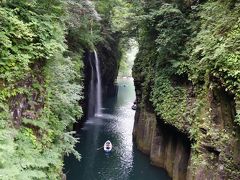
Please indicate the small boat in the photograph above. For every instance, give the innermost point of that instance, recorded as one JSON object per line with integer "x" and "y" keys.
{"x": 107, "y": 146}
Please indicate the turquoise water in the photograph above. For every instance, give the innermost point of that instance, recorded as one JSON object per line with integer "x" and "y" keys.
{"x": 125, "y": 162}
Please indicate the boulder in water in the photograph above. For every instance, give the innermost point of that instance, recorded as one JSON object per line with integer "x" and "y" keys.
{"x": 134, "y": 106}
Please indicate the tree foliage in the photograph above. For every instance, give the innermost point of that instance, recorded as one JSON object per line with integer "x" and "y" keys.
{"x": 188, "y": 50}
{"x": 40, "y": 87}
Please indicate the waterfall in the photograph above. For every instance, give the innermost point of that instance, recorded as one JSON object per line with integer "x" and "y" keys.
{"x": 95, "y": 88}
{"x": 98, "y": 110}
{"x": 91, "y": 94}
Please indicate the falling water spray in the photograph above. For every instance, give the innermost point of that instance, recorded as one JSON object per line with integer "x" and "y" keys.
{"x": 95, "y": 88}
{"x": 98, "y": 109}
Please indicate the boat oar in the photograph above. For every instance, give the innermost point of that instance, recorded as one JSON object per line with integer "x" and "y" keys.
{"x": 99, "y": 148}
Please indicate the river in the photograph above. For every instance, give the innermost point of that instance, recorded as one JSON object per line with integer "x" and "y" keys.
{"x": 125, "y": 162}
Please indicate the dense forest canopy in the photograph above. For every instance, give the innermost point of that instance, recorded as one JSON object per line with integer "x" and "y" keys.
{"x": 42, "y": 48}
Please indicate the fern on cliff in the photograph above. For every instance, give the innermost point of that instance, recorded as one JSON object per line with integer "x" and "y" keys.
{"x": 214, "y": 50}
{"x": 190, "y": 54}
{"x": 40, "y": 90}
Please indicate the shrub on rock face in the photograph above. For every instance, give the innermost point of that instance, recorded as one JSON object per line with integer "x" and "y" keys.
{"x": 39, "y": 90}
{"x": 188, "y": 66}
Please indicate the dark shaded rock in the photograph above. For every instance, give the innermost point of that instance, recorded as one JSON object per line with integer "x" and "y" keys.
{"x": 167, "y": 148}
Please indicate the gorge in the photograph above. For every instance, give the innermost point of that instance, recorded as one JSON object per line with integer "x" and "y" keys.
{"x": 59, "y": 67}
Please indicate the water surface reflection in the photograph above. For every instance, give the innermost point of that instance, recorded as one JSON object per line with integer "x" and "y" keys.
{"x": 125, "y": 162}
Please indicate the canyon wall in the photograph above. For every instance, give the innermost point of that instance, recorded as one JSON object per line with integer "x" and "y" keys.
{"x": 167, "y": 148}
{"x": 171, "y": 148}
{"x": 187, "y": 117}
{"x": 40, "y": 85}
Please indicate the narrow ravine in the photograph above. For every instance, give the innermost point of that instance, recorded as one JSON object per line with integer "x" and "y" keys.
{"x": 116, "y": 124}
{"x": 159, "y": 79}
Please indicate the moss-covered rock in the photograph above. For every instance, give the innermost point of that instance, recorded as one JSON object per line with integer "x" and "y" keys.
{"x": 187, "y": 69}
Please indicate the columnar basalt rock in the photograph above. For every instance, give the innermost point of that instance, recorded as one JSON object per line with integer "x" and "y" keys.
{"x": 167, "y": 147}
{"x": 170, "y": 149}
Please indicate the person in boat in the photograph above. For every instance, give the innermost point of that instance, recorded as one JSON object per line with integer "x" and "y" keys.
{"x": 108, "y": 145}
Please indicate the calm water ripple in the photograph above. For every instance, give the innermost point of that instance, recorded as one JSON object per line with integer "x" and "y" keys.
{"x": 125, "y": 162}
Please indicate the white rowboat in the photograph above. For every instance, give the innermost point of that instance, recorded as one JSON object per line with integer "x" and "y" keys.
{"x": 107, "y": 146}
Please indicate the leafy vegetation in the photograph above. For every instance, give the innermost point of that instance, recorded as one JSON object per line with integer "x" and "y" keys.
{"x": 40, "y": 85}
{"x": 188, "y": 60}
{"x": 41, "y": 79}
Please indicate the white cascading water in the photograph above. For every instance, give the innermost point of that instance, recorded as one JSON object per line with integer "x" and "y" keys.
{"x": 95, "y": 88}
{"x": 91, "y": 91}
{"x": 98, "y": 109}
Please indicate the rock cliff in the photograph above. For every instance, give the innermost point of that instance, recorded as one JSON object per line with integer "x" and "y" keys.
{"x": 170, "y": 148}
{"x": 187, "y": 116}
